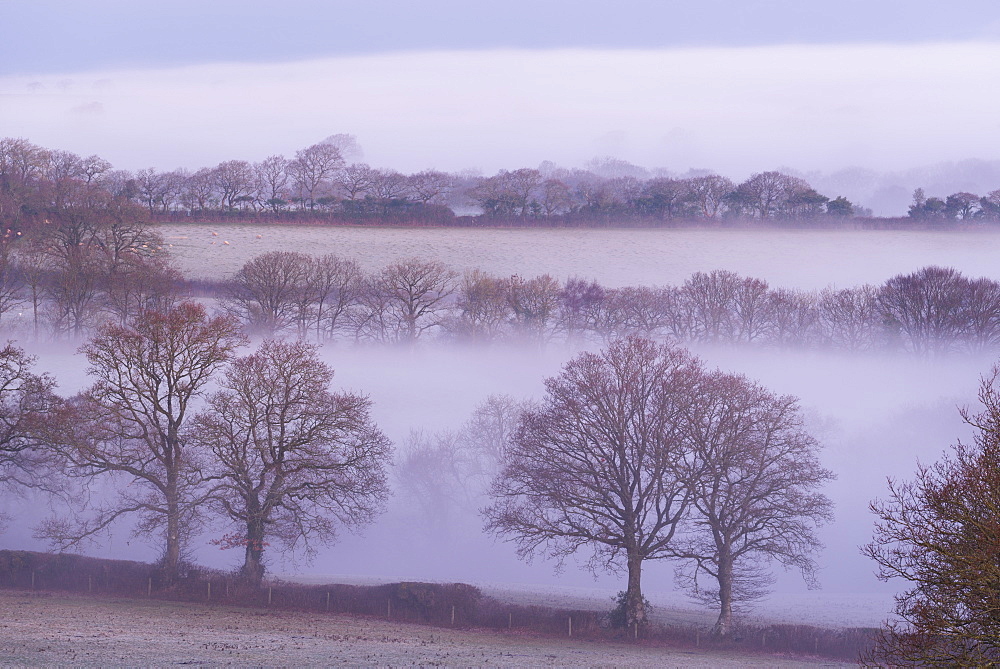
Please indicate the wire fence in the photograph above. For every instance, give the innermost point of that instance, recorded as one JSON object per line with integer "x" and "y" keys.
{"x": 454, "y": 605}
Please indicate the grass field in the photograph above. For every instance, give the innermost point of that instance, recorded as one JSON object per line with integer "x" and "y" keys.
{"x": 58, "y": 629}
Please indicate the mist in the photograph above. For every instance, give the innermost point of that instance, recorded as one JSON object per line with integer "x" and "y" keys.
{"x": 735, "y": 110}
{"x": 876, "y": 416}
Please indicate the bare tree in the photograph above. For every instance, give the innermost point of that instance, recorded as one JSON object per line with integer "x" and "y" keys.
{"x": 347, "y": 144}
{"x": 355, "y": 180}
{"x": 34, "y": 265}
{"x": 141, "y": 283}
{"x": 981, "y": 331}
{"x": 925, "y": 309}
{"x": 26, "y": 400}
{"x": 535, "y": 304}
{"x": 409, "y": 297}
{"x": 198, "y": 192}
{"x": 93, "y": 167}
{"x": 792, "y": 318}
{"x": 446, "y": 474}
{"x": 129, "y": 424}
{"x": 750, "y": 310}
{"x": 556, "y": 197}
{"x": 664, "y": 198}
{"x": 335, "y": 286}
{"x": 233, "y": 179}
{"x": 388, "y": 185}
{"x": 490, "y": 434}
{"x": 434, "y": 479}
{"x": 12, "y": 277}
{"x": 849, "y": 319}
{"x": 709, "y": 194}
{"x": 267, "y": 292}
{"x": 294, "y": 460}
{"x": 634, "y": 311}
{"x": 753, "y": 477}
{"x": 483, "y": 309}
{"x": 767, "y": 193}
{"x": 579, "y": 305}
{"x": 710, "y": 299}
{"x": 597, "y": 464}
{"x": 314, "y": 166}
{"x": 507, "y": 193}
{"x": 272, "y": 181}
{"x": 430, "y": 186}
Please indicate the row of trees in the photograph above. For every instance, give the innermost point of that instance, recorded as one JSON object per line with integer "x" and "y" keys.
{"x": 932, "y": 311}
{"x": 319, "y": 182}
{"x": 637, "y": 451}
{"x": 630, "y": 194}
{"x": 94, "y": 259}
{"x": 962, "y": 206}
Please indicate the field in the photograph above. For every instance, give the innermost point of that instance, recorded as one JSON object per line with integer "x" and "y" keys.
{"x": 805, "y": 259}
{"x": 58, "y": 629}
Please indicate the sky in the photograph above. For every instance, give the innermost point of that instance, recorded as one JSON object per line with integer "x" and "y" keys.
{"x": 735, "y": 87}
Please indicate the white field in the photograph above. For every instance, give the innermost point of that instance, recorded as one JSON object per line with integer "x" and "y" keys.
{"x": 807, "y": 259}
{"x": 65, "y": 630}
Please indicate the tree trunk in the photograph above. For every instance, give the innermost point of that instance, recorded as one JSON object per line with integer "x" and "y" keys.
{"x": 172, "y": 553}
{"x": 253, "y": 565}
{"x": 635, "y": 608}
{"x": 724, "y": 624}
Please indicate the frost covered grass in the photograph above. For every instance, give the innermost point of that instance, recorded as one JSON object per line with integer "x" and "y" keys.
{"x": 59, "y": 629}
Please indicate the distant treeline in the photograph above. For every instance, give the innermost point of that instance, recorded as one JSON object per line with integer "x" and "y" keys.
{"x": 318, "y": 185}
{"x": 76, "y": 250}
{"x": 58, "y": 289}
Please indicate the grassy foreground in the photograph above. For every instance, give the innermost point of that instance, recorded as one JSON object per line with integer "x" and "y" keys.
{"x": 41, "y": 628}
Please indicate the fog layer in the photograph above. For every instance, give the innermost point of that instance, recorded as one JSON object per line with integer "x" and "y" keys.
{"x": 734, "y": 110}
{"x": 874, "y": 417}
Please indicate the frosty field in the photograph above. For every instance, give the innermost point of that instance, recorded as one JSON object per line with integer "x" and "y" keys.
{"x": 68, "y": 630}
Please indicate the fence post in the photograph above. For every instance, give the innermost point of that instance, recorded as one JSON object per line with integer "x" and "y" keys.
{"x": 32, "y": 579}
{"x": 269, "y": 595}
{"x": 149, "y": 588}
{"x": 327, "y": 600}
{"x": 636, "y": 629}
{"x": 571, "y": 625}
{"x": 452, "y": 615}
{"x": 388, "y": 609}
{"x": 510, "y": 620}
{"x": 90, "y": 583}
{"x": 209, "y": 590}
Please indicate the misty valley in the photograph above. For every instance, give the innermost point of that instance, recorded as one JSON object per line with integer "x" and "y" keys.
{"x": 722, "y": 435}
{"x": 445, "y": 373}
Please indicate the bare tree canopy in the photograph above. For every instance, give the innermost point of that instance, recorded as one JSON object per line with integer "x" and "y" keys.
{"x": 638, "y": 453}
{"x": 294, "y": 460}
{"x": 941, "y": 533}
{"x": 266, "y": 293}
{"x": 26, "y": 399}
{"x": 406, "y": 299}
{"x": 753, "y": 479}
{"x": 597, "y": 464}
{"x": 129, "y": 424}
{"x": 446, "y": 474}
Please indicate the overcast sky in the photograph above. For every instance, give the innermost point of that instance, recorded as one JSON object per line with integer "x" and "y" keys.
{"x": 732, "y": 86}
